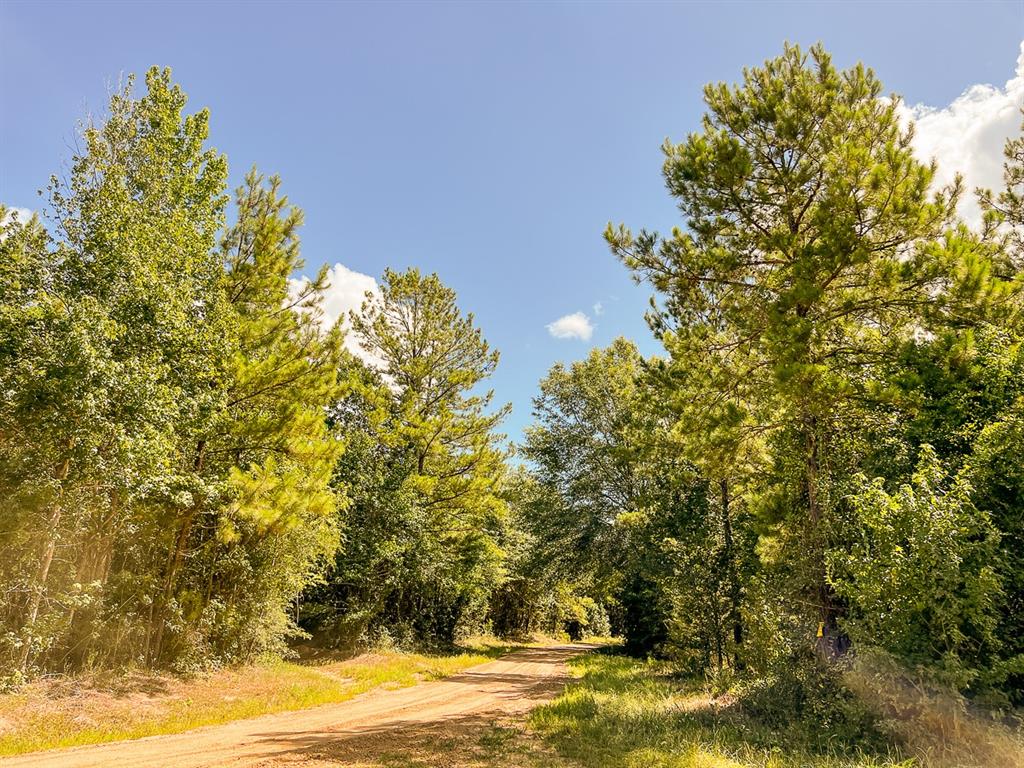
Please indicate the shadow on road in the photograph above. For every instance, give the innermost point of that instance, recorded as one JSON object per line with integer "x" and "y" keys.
{"x": 462, "y": 741}
{"x": 459, "y": 739}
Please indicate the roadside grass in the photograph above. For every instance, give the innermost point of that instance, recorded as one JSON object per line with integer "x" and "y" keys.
{"x": 618, "y": 713}
{"x": 623, "y": 713}
{"x": 95, "y": 708}
{"x": 629, "y": 713}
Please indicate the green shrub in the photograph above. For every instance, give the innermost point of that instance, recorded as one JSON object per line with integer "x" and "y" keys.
{"x": 808, "y": 699}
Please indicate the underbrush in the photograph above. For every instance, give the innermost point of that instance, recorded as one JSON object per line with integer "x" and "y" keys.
{"x": 940, "y": 727}
{"x": 108, "y": 706}
{"x": 629, "y": 713}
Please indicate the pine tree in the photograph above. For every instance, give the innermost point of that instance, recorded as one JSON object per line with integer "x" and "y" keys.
{"x": 434, "y": 359}
{"x": 1004, "y": 213}
{"x": 265, "y": 525}
{"x": 801, "y": 263}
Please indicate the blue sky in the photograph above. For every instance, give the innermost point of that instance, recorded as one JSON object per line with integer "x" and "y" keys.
{"x": 490, "y": 143}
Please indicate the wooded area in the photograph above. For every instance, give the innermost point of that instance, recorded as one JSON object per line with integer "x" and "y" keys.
{"x": 826, "y": 459}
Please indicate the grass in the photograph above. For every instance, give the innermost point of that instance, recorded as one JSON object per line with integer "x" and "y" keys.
{"x": 627, "y": 713}
{"x": 619, "y": 712}
{"x": 96, "y": 708}
{"x": 938, "y": 725}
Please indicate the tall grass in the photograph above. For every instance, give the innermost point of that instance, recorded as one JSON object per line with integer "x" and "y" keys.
{"x": 626, "y": 713}
{"x": 938, "y": 725}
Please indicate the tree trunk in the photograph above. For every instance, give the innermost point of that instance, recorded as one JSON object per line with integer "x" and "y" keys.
{"x": 174, "y": 561}
{"x": 733, "y": 576}
{"x": 718, "y": 640}
{"x": 93, "y": 565}
{"x": 43, "y": 572}
{"x": 173, "y": 564}
{"x": 829, "y": 642}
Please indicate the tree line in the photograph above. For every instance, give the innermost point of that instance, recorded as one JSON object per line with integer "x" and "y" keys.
{"x": 826, "y": 456}
{"x": 191, "y": 464}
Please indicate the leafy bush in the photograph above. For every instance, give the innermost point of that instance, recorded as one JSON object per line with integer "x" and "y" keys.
{"x": 808, "y": 697}
{"x": 918, "y": 579}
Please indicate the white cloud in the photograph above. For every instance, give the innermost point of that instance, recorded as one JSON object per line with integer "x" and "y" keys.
{"x": 24, "y": 214}
{"x": 598, "y": 309}
{"x": 574, "y": 326}
{"x": 346, "y": 291}
{"x": 968, "y": 136}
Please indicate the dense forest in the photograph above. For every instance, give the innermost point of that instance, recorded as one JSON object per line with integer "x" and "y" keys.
{"x": 825, "y": 459}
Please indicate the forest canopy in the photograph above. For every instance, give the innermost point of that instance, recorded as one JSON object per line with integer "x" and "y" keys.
{"x": 825, "y": 457}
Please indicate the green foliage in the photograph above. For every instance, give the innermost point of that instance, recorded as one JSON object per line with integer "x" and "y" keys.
{"x": 163, "y": 453}
{"x": 132, "y": 277}
{"x": 996, "y": 474}
{"x": 534, "y": 597}
{"x": 434, "y": 356}
{"x": 829, "y": 452}
{"x": 424, "y": 470}
{"x": 1004, "y": 213}
{"x": 957, "y": 383}
{"x": 618, "y": 503}
{"x": 586, "y": 464}
{"x": 807, "y": 699}
{"x": 827, "y": 320}
{"x": 918, "y": 579}
{"x": 801, "y": 266}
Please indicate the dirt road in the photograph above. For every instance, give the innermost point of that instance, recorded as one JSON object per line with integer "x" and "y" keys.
{"x": 374, "y": 724}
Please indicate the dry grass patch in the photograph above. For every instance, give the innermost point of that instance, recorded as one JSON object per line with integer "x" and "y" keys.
{"x": 938, "y": 726}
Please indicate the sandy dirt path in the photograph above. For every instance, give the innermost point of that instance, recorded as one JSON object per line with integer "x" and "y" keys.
{"x": 376, "y": 723}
